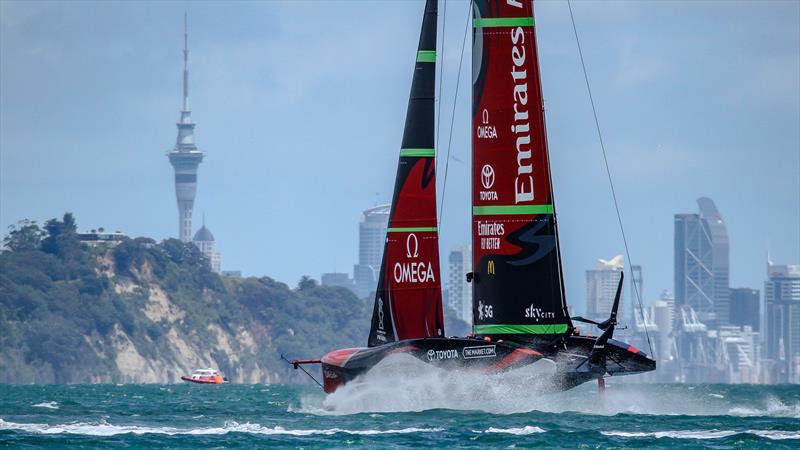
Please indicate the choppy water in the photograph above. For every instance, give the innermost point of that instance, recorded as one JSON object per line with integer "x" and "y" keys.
{"x": 444, "y": 412}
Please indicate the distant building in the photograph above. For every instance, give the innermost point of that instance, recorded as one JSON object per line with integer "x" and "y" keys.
{"x": 701, "y": 263}
{"x": 637, "y": 284}
{"x": 696, "y": 349}
{"x": 663, "y": 314}
{"x": 745, "y": 309}
{"x": 371, "y": 242}
{"x": 782, "y": 321}
{"x": 204, "y": 240}
{"x": 601, "y": 287}
{"x": 459, "y": 292}
{"x": 185, "y": 156}
{"x": 739, "y": 354}
{"x": 98, "y": 237}
{"x": 338, "y": 279}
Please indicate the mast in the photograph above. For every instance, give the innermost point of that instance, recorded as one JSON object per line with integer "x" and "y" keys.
{"x": 518, "y": 288}
{"x": 408, "y": 299}
{"x": 185, "y": 61}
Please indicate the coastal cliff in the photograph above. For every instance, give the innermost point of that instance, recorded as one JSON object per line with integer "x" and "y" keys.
{"x": 147, "y": 312}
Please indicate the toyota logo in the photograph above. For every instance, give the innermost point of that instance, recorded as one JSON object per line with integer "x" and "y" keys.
{"x": 431, "y": 355}
{"x": 412, "y": 246}
{"x": 487, "y": 176}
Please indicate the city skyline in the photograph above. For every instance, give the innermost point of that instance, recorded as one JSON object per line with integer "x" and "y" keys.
{"x": 247, "y": 107}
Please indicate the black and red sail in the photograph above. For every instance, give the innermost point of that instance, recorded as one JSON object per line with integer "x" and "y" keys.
{"x": 518, "y": 288}
{"x": 408, "y": 300}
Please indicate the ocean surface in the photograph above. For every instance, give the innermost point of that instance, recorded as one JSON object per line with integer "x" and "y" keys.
{"x": 432, "y": 410}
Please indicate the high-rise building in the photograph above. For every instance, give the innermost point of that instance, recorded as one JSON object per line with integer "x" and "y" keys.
{"x": 371, "y": 241}
{"x": 601, "y": 287}
{"x": 459, "y": 292}
{"x": 204, "y": 240}
{"x": 701, "y": 263}
{"x": 185, "y": 156}
{"x": 637, "y": 284}
{"x": 782, "y": 321}
{"x": 745, "y": 308}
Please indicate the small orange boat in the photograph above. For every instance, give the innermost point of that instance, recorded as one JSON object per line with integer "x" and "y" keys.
{"x": 205, "y": 376}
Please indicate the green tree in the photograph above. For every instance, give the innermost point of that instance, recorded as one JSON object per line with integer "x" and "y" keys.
{"x": 62, "y": 236}
{"x": 25, "y": 235}
{"x": 306, "y": 283}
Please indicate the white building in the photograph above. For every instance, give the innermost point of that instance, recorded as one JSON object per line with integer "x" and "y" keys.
{"x": 662, "y": 312}
{"x": 601, "y": 287}
{"x": 782, "y": 322}
{"x": 459, "y": 292}
{"x": 740, "y": 353}
{"x": 98, "y": 237}
{"x": 371, "y": 242}
{"x": 204, "y": 240}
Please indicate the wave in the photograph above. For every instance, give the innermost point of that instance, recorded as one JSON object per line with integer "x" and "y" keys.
{"x": 705, "y": 434}
{"x": 106, "y": 429}
{"x": 48, "y": 405}
{"x": 772, "y": 408}
{"x": 527, "y": 429}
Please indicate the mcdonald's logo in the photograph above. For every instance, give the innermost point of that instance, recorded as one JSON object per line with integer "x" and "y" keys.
{"x": 490, "y": 267}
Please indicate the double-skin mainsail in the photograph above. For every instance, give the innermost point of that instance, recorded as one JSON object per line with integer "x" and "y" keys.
{"x": 518, "y": 290}
{"x": 408, "y": 299}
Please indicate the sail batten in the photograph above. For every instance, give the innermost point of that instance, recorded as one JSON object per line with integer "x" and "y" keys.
{"x": 494, "y": 22}
{"x": 518, "y": 284}
{"x": 408, "y": 299}
{"x": 512, "y": 209}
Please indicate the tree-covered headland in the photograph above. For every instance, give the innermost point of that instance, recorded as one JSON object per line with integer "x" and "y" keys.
{"x": 147, "y": 311}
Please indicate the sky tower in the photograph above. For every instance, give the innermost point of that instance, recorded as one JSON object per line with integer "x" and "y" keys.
{"x": 185, "y": 156}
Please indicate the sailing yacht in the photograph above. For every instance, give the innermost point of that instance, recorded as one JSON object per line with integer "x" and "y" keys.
{"x": 520, "y": 314}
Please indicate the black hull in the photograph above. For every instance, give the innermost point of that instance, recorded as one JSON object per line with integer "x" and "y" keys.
{"x": 342, "y": 366}
{"x": 571, "y": 357}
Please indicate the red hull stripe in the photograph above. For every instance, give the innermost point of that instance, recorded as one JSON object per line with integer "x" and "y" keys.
{"x": 511, "y": 358}
{"x": 406, "y": 349}
{"x": 528, "y": 351}
{"x": 339, "y": 357}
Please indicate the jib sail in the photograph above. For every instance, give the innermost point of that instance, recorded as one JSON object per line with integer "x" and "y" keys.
{"x": 408, "y": 300}
{"x": 518, "y": 288}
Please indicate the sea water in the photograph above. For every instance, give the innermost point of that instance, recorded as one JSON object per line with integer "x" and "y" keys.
{"x": 394, "y": 409}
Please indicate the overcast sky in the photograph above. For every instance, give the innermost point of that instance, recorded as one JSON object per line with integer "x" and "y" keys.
{"x": 300, "y": 109}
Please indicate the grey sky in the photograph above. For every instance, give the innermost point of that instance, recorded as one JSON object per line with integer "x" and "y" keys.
{"x": 300, "y": 105}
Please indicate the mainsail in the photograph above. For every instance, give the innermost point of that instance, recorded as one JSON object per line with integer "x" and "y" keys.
{"x": 518, "y": 285}
{"x": 408, "y": 300}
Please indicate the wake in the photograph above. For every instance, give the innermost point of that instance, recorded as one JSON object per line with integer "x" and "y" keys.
{"x": 401, "y": 383}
